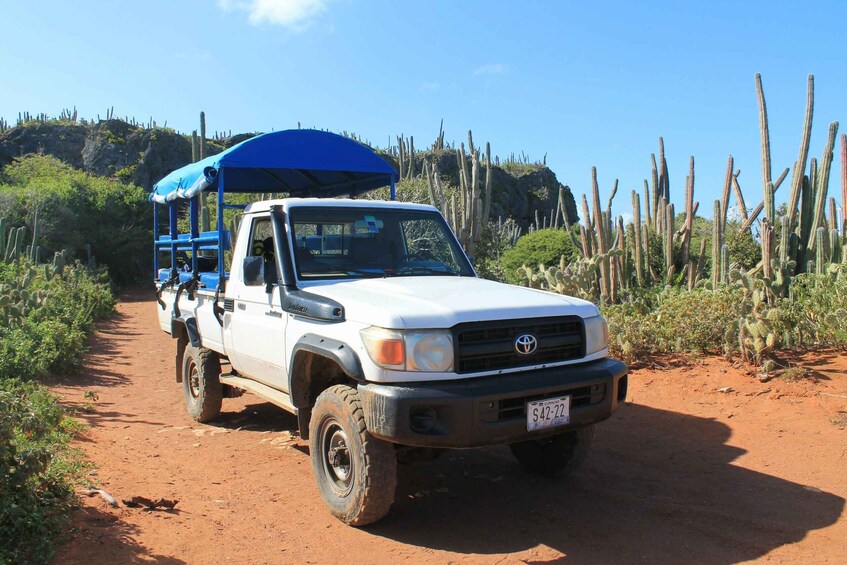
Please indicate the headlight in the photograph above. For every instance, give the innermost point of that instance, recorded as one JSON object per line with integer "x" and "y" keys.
{"x": 428, "y": 351}
{"x": 596, "y": 334}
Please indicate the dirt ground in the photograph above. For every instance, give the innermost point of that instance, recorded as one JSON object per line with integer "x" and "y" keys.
{"x": 688, "y": 471}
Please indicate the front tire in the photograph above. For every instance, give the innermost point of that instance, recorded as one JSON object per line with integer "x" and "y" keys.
{"x": 356, "y": 473}
{"x": 557, "y": 455}
{"x": 201, "y": 383}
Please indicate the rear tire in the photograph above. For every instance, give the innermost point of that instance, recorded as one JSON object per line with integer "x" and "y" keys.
{"x": 356, "y": 473}
{"x": 201, "y": 383}
{"x": 557, "y": 455}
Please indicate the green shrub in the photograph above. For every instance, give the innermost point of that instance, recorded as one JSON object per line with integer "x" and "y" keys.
{"x": 46, "y": 335}
{"x": 817, "y": 309}
{"x": 76, "y": 210}
{"x": 38, "y": 469}
{"x": 51, "y": 338}
{"x": 541, "y": 246}
{"x": 675, "y": 321}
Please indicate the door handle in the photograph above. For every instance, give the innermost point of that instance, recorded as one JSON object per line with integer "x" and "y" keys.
{"x": 242, "y": 306}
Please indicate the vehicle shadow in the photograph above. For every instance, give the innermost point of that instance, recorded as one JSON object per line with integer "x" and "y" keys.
{"x": 658, "y": 487}
{"x": 259, "y": 416}
{"x": 108, "y": 539}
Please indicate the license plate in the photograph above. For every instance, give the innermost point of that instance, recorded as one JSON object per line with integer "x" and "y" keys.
{"x": 548, "y": 413}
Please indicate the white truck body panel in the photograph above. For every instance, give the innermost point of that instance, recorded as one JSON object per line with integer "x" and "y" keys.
{"x": 257, "y": 336}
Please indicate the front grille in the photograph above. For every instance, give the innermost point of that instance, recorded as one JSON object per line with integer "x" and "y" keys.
{"x": 490, "y": 346}
{"x": 515, "y": 408}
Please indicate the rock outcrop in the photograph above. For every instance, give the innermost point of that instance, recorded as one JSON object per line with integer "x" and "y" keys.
{"x": 142, "y": 156}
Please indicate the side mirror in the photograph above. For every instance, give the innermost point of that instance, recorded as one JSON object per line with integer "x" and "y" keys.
{"x": 253, "y": 270}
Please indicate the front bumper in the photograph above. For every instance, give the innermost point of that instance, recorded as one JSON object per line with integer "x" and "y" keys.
{"x": 483, "y": 411}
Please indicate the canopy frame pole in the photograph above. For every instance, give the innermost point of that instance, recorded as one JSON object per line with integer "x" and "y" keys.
{"x": 194, "y": 222}
{"x": 393, "y": 189}
{"x": 221, "y": 236}
{"x": 155, "y": 239}
{"x": 173, "y": 219}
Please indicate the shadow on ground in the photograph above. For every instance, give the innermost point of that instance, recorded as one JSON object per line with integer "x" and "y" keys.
{"x": 113, "y": 538}
{"x": 659, "y": 487}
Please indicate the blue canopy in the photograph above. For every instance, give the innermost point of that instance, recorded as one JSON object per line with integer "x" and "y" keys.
{"x": 300, "y": 162}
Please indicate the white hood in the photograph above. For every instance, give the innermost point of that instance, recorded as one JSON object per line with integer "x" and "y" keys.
{"x": 442, "y": 302}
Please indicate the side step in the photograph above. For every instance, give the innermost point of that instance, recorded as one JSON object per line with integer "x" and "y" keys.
{"x": 273, "y": 395}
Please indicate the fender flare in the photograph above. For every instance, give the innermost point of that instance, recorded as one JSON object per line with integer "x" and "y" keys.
{"x": 189, "y": 323}
{"x": 333, "y": 349}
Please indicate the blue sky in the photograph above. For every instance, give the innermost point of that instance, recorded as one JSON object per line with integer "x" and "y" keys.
{"x": 587, "y": 83}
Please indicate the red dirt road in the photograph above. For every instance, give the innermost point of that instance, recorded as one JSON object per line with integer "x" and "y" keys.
{"x": 684, "y": 473}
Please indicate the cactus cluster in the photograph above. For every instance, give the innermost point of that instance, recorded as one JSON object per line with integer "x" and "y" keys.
{"x": 21, "y": 295}
{"x": 17, "y": 298}
{"x": 469, "y": 211}
{"x": 13, "y": 246}
{"x": 616, "y": 259}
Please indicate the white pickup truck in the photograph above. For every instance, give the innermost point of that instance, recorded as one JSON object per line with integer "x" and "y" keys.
{"x": 366, "y": 320}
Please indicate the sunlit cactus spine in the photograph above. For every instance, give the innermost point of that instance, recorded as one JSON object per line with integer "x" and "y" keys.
{"x": 34, "y": 249}
{"x": 636, "y": 239}
{"x": 835, "y": 249}
{"x": 716, "y": 244}
{"x": 784, "y": 238}
{"x": 766, "y": 150}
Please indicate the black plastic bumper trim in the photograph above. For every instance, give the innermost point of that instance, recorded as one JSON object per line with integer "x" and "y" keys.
{"x": 463, "y": 407}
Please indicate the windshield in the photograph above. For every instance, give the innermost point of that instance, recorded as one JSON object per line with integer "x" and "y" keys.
{"x": 350, "y": 242}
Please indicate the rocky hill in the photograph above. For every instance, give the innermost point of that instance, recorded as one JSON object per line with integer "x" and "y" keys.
{"x": 142, "y": 155}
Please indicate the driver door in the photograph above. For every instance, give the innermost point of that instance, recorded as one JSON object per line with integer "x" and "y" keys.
{"x": 258, "y": 322}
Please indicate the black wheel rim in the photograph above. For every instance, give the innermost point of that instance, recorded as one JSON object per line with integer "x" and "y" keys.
{"x": 336, "y": 458}
{"x": 193, "y": 377}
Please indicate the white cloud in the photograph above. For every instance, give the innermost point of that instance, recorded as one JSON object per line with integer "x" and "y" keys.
{"x": 490, "y": 69}
{"x": 430, "y": 86}
{"x": 293, "y": 14}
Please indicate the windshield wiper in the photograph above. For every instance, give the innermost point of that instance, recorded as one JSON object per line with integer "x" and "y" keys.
{"x": 367, "y": 273}
{"x": 417, "y": 270}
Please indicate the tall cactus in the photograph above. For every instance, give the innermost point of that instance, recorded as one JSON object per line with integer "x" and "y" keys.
{"x": 843, "y": 186}
{"x": 689, "y": 214}
{"x": 35, "y": 233}
{"x": 717, "y": 243}
{"x": 636, "y": 239}
{"x": 800, "y": 164}
{"x": 822, "y": 184}
{"x": 766, "y": 149}
{"x": 668, "y": 239}
{"x": 784, "y": 239}
{"x": 767, "y": 248}
{"x": 727, "y": 186}
{"x": 602, "y": 243}
{"x": 205, "y": 217}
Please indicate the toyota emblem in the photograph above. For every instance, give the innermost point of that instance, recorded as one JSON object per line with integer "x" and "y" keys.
{"x": 526, "y": 344}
